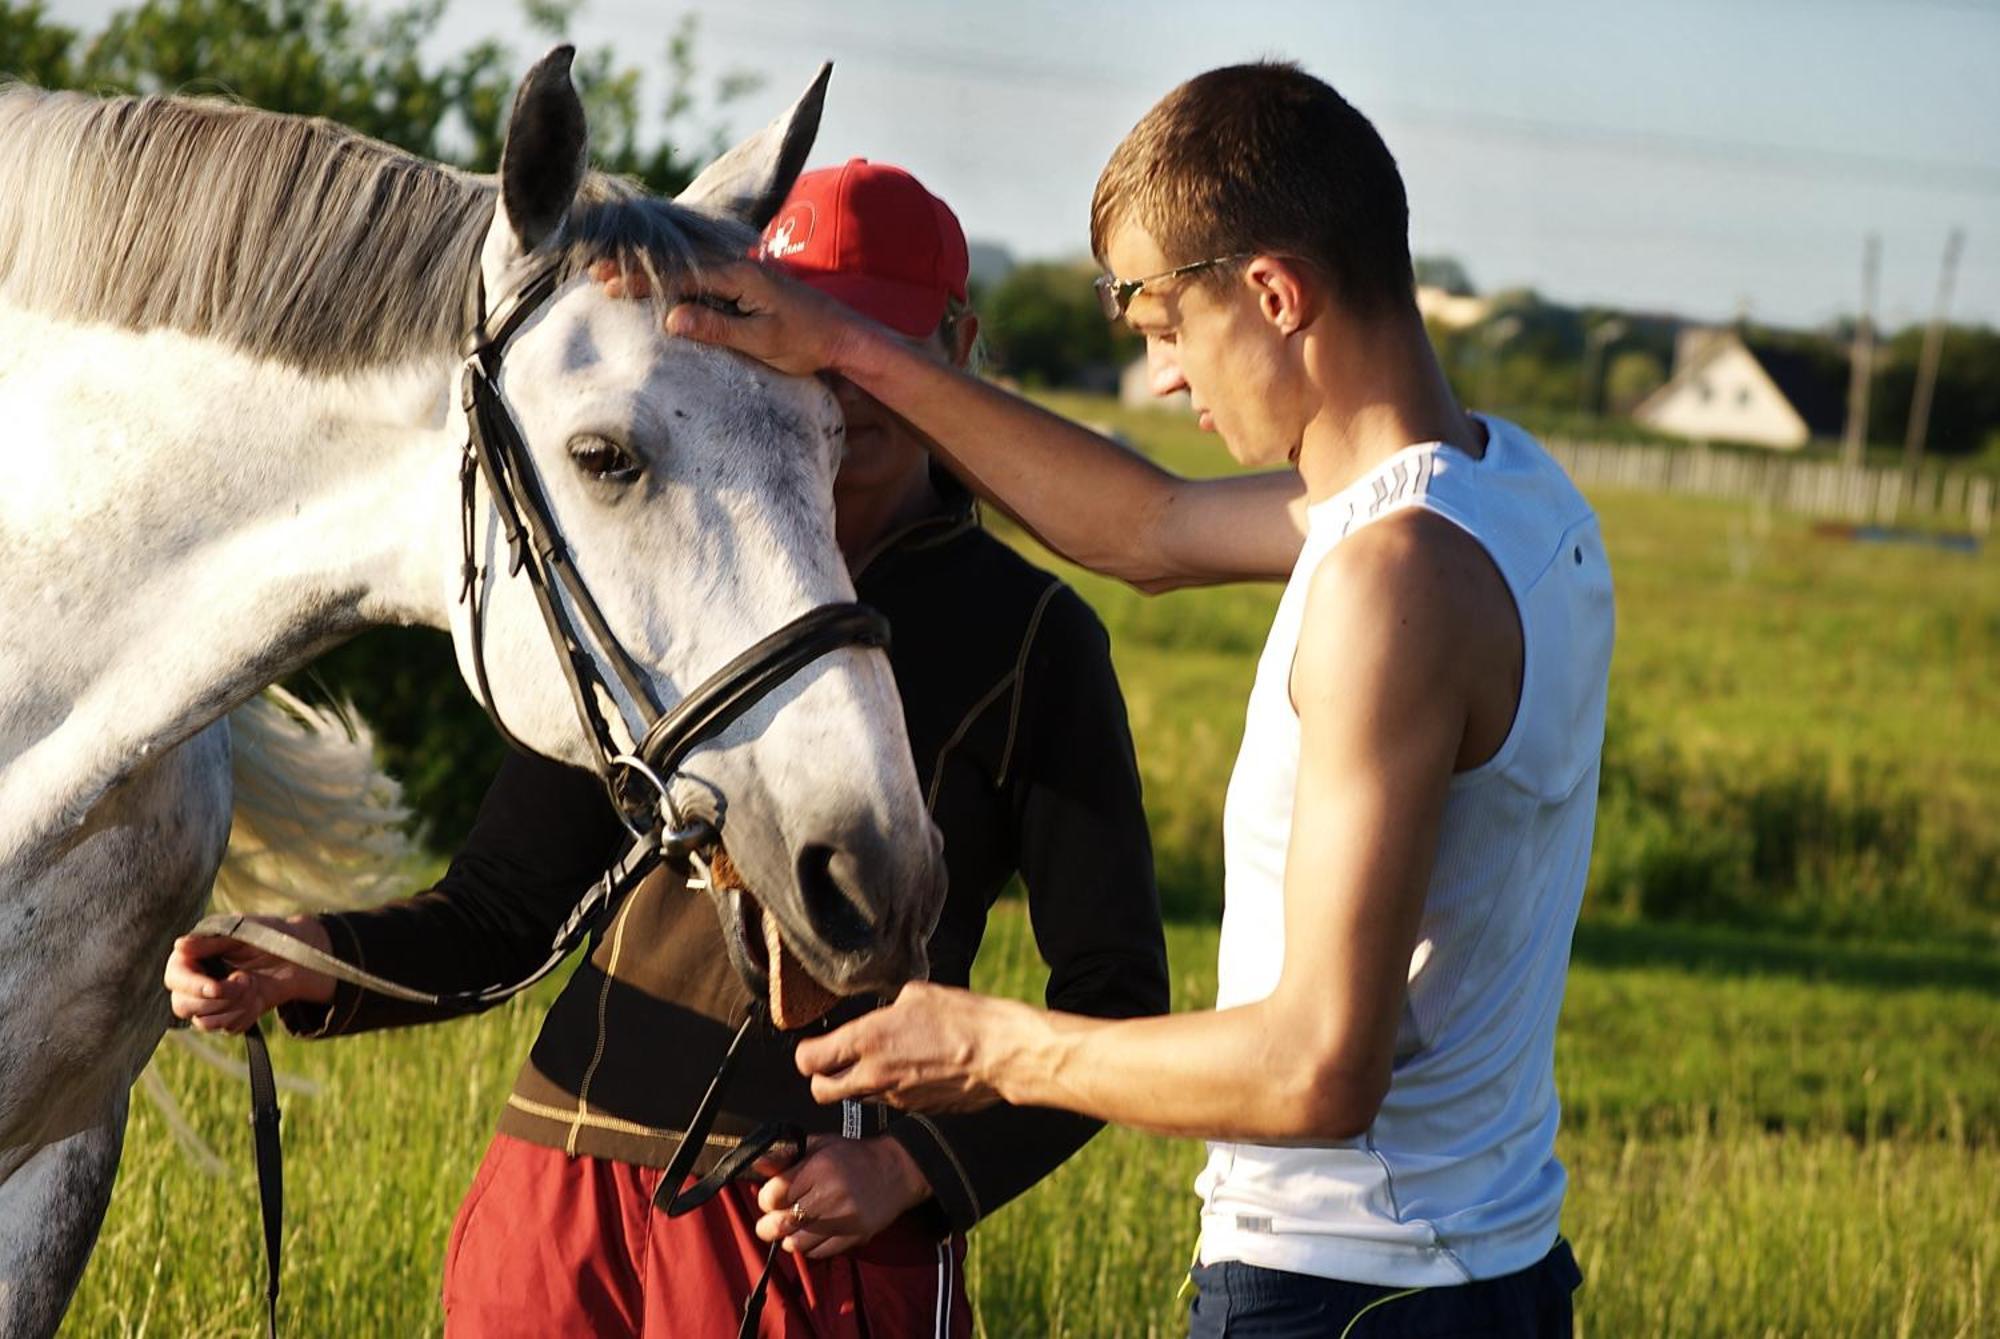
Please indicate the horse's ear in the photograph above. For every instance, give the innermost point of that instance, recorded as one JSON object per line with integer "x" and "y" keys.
{"x": 752, "y": 180}
{"x": 548, "y": 146}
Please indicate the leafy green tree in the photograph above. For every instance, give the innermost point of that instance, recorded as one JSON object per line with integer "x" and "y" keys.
{"x": 1445, "y": 272}
{"x": 1044, "y": 326}
{"x": 1633, "y": 375}
{"x": 1965, "y": 407}
{"x": 33, "y": 48}
{"x": 313, "y": 57}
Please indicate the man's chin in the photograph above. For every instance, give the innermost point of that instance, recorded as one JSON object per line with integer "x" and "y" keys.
{"x": 1257, "y": 455}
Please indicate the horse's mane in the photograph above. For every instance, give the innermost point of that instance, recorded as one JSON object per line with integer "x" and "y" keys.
{"x": 290, "y": 238}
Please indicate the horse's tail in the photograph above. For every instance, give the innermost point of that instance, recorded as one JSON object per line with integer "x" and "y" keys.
{"x": 319, "y": 825}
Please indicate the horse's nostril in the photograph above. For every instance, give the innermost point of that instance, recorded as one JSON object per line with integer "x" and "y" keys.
{"x": 832, "y": 909}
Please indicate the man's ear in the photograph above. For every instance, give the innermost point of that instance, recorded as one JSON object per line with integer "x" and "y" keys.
{"x": 964, "y": 334}
{"x": 1289, "y": 293}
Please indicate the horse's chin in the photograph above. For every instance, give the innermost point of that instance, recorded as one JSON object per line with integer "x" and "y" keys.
{"x": 757, "y": 950}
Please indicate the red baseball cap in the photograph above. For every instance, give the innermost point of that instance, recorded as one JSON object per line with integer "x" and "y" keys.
{"x": 869, "y": 235}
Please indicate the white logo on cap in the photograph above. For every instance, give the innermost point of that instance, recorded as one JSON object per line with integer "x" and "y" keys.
{"x": 784, "y": 240}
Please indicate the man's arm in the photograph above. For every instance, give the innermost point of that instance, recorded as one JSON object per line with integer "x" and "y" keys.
{"x": 1088, "y": 498}
{"x": 544, "y": 834}
{"x": 1382, "y": 685}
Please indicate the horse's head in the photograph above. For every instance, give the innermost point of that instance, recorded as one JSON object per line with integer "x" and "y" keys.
{"x": 694, "y": 490}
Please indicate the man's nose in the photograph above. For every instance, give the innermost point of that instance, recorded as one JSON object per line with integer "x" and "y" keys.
{"x": 845, "y": 393}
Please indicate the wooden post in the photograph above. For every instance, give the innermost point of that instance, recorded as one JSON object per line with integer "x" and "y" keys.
{"x": 1920, "y": 402}
{"x": 1854, "y": 442}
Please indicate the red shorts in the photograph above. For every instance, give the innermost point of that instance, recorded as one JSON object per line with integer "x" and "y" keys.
{"x": 547, "y": 1245}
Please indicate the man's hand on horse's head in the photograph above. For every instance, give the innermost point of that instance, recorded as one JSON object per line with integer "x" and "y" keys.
{"x": 753, "y": 309}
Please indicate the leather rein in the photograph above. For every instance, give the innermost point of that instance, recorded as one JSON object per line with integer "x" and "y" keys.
{"x": 597, "y": 669}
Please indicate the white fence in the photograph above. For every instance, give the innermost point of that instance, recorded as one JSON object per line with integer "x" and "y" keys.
{"x": 1825, "y": 489}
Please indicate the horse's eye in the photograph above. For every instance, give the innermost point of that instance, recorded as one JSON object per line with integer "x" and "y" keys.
{"x": 601, "y": 458}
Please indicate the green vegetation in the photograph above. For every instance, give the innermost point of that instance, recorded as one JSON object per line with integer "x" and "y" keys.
{"x": 1805, "y": 733}
{"x": 1781, "y": 1115}
{"x": 1786, "y": 1139}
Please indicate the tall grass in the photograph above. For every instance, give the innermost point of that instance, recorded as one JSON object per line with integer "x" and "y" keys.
{"x": 1806, "y": 1147}
{"x": 1805, "y": 732}
{"x": 1782, "y": 1111}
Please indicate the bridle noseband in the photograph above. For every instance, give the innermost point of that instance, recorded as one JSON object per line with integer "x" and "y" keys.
{"x": 639, "y": 781}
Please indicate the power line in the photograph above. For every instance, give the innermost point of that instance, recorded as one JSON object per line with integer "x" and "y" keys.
{"x": 1957, "y": 177}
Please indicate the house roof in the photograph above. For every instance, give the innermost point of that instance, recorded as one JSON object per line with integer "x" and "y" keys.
{"x": 1805, "y": 382}
{"x": 1809, "y": 385}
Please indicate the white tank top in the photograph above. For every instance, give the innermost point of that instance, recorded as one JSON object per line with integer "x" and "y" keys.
{"x": 1457, "y": 1177}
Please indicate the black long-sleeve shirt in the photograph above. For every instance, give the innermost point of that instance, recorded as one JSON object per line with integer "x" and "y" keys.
{"x": 1019, "y": 734}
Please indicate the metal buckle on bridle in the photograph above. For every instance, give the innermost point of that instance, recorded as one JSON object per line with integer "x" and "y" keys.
{"x": 677, "y": 835}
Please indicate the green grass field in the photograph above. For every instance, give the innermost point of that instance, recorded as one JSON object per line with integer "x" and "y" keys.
{"x": 1777, "y": 1055}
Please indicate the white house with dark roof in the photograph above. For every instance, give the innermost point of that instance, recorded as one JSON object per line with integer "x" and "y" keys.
{"x": 1727, "y": 390}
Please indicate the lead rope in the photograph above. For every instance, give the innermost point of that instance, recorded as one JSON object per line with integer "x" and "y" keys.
{"x": 270, "y": 1166}
{"x": 268, "y": 1151}
{"x": 783, "y": 1137}
{"x": 772, "y": 1135}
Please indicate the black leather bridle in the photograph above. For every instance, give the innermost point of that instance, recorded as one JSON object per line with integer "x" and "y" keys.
{"x": 639, "y": 781}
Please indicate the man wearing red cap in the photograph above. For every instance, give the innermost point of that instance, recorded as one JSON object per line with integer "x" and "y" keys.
{"x": 1018, "y": 732}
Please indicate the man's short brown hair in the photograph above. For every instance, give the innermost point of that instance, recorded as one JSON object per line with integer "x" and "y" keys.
{"x": 1264, "y": 158}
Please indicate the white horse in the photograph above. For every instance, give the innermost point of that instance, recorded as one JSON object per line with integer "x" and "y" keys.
{"x": 229, "y": 439}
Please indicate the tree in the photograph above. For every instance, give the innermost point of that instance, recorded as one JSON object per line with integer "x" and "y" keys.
{"x": 31, "y": 47}
{"x": 1445, "y": 272}
{"x": 1633, "y": 375}
{"x": 1965, "y": 409}
{"x": 1043, "y": 324}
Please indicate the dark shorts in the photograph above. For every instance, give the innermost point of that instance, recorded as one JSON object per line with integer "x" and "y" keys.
{"x": 1239, "y": 1301}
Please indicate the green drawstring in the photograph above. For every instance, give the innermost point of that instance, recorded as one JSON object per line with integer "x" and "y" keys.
{"x": 1380, "y": 1301}
{"x": 1185, "y": 1294}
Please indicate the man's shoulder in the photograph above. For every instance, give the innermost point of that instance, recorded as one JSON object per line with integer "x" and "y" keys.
{"x": 1415, "y": 580}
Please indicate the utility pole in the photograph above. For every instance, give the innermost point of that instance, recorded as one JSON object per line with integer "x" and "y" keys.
{"x": 1854, "y": 443}
{"x": 1920, "y": 402}
{"x": 1590, "y": 376}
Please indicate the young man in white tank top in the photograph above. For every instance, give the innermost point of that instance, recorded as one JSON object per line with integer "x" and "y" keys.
{"x": 1409, "y": 822}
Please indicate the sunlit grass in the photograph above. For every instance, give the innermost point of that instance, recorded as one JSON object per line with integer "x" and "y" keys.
{"x": 1777, "y": 1052}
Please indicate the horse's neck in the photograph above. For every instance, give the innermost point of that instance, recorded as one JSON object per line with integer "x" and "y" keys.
{"x": 182, "y": 526}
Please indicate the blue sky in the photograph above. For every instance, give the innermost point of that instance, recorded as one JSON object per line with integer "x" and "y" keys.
{"x": 1705, "y": 156}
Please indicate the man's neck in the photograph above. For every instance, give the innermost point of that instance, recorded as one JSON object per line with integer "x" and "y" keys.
{"x": 1381, "y": 389}
{"x": 866, "y": 518}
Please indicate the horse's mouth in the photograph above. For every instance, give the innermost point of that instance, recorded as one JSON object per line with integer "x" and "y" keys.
{"x": 758, "y": 951}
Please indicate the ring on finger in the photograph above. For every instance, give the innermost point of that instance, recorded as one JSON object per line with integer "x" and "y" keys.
{"x": 799, "y": 1215}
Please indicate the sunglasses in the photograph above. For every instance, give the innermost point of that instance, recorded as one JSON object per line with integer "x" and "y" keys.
{"x": 1114, "y": 295}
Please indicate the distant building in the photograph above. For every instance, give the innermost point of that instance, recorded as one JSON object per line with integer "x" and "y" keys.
{"x": 989, "y": 262}
{"x": 1135, "y": 390}
{"x": 1726, "y": 390}
{"x": 1453, "y": 311}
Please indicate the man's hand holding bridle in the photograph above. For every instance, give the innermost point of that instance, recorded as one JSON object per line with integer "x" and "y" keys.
{"x": 937, "y": 1048}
